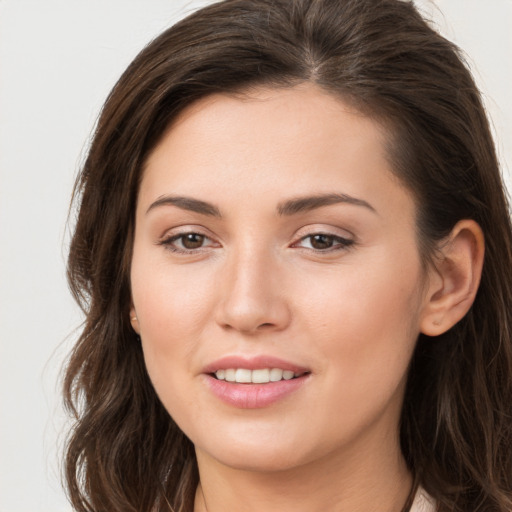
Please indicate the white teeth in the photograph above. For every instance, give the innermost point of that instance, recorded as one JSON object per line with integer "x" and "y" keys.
{"x": 242, "y": 375}
{"x": 259, "y": 376}
{"x": 276, "y": 374}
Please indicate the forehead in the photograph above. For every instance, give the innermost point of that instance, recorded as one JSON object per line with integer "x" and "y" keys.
{"x": 268, "y": 143}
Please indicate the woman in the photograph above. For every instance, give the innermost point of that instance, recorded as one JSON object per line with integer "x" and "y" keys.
{"x": 280, "y": 252}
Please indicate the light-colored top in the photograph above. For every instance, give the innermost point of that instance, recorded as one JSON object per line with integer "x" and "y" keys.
{"x": 423, "y": 502}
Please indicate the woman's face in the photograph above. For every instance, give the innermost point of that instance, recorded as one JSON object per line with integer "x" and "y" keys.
{"x": 273, "y": 241}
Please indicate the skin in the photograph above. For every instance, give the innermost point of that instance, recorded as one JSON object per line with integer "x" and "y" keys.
{"x": 256, "y": 284}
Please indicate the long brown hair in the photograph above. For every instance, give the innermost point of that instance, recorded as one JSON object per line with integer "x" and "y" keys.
{"x": 125, "y": 453}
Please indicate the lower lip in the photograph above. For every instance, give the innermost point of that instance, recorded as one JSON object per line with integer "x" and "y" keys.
{"x": 253, "y": 396}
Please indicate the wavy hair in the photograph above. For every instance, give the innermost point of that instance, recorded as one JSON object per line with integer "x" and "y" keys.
{"x": 125, "y": 453}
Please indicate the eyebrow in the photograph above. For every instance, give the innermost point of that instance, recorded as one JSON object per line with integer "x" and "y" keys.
{"x": 286, "y": 208}
{"x": 306, "y": 204}
{"x": 186, "y": 203}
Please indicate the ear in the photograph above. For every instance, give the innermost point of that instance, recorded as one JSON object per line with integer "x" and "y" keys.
{"x": 134, "y": 320}
{"x": 454, "y": 281}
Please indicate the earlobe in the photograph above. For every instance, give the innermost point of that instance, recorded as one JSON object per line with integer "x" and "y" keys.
{"x": 454, "y": 283}
{"x": 134, "y": 320}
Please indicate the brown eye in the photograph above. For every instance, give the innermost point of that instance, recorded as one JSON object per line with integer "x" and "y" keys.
{"x": 321, "y": 241}
{"x": 192, "y": 240}
{"x": 324, "y": 242}
{"x": 187, "y": 242}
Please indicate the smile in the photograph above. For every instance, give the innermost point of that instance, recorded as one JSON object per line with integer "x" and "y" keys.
{"x": 257, "y": 376}
{"x": 254, "y": 382}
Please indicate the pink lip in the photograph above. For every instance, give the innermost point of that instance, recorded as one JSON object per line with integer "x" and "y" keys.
{"x": 253, "y": 396}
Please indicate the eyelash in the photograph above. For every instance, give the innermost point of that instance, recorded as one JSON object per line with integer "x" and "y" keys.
{"x": 169, "y": 241}
{"x": 339, "y": 243}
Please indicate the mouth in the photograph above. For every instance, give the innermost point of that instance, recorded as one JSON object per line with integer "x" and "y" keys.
{"x": 254, "y": 382}
{"x": 256, "y": 376}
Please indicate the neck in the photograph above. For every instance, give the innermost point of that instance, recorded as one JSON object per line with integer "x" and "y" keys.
{"x": 372, "y": 479}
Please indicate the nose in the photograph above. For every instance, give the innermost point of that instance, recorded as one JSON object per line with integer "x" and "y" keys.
{"x": 252, "y": 296}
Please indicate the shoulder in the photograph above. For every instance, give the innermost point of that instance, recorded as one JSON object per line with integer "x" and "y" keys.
{"x": 423, "y": 502}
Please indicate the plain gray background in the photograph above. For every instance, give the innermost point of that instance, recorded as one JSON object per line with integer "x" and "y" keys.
{"x": 58, "y": 60}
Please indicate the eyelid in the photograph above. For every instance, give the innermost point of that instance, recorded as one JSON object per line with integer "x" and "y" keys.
{"x": 185, "y": 229}
{"x": 171, "y": 235}
{"x": 343, "y": 241}
{"x": 323, "y": 229}
{"x": 340, "y": 243}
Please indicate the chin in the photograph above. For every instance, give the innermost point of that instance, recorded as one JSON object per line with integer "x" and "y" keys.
{"x": 259, "y": 460}
{"x": 259, "y": 453}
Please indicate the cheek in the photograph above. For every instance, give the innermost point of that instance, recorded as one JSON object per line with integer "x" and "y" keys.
{"x": 381, "y": 293}
{"x": 169, "y": 298}
{"x": 171, "y": 305}
{"x": 365, "y": 323}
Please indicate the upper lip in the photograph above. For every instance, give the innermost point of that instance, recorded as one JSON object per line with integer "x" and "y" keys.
{"x": 253, "y": 363}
